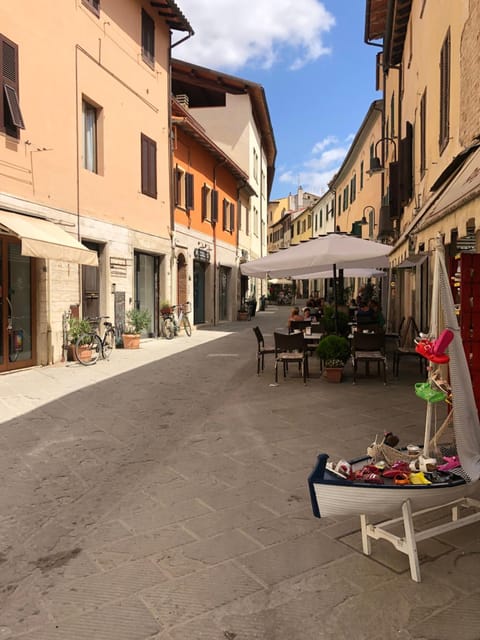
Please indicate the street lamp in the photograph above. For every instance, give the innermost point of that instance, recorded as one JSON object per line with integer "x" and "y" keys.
{"x": 376, "y": 165}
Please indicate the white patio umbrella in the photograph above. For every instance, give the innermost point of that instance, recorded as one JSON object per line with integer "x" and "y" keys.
{"x": 347, "y": 273}
{"x": 333, "y": 251}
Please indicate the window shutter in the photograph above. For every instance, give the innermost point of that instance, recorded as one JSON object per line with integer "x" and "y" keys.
{"x": 204, "y": 202}
{"x": 394, "y": 190}
{"x": 148, "y": 38}
{"x": 239, "y": 215}
{"x": 176, "y": 186}
{"x": 189, "y": 200}
{"x": 144, "y": 163}
{"x": 214, "y": 216}
{"x": 224, "y": 215}
{"x": 406, "y": 165}
{"x": 11, "y": 118}
{"x": 232, "y": 217}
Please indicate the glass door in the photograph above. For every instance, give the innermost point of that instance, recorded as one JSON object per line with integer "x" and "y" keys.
{"x": 16, "y": 327}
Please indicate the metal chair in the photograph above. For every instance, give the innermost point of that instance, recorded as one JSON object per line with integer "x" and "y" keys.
{"x": 262, "y": 350}
{"x": 290, "y": 348}
{"x": 369, "y": 348}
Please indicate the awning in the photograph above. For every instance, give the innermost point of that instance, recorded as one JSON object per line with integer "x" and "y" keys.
{"x": 415, "y": 260}
{"x": 44, "y": 239}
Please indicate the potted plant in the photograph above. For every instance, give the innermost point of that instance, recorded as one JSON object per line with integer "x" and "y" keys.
{"x": 137, "y": 321}
{"x": 76, "y": 328}
{"x": 165, "y": 307}
{"x": 334, "y": 351}
{"x": 242, "y": 313}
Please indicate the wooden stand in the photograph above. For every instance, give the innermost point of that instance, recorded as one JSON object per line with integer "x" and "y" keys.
{"x": 408, "y": 543}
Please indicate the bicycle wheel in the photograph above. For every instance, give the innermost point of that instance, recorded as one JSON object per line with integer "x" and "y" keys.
{"x": 187, "y": 326}
{"x": 169, "y": 329}
{"x": 88, "y": 348}
{"x": 108, "y": 343}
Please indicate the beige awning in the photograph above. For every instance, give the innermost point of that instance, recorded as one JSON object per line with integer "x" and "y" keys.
{"x": 44, "y": 239}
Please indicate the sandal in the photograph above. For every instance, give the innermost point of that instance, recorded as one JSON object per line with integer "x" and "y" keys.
{"x": 396, "y": 468}
{"x": 442, "y": 342}
{"x": 450, "y": 463}
{"x": 418, "y": 478}
{"x": 425, "y": 391}
{"x": 401, "y": 478}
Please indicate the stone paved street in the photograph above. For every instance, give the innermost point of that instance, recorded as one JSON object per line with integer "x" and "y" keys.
{"x": 163, "y": 496}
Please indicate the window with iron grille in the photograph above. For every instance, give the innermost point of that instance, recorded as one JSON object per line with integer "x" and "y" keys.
{"x": 11, "y": 119}
{"x": 93, "y": 5}
{"x": 148, "y": 39}
{"x": 149, "y": 166}
{"x": 444, "y": 93}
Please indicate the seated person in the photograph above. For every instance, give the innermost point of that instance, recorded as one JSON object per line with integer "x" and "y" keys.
{"x": 294, "y": 315}
{"x": 364, "y": 314}
{"x": 307, "y": 314}
{"x": 377, "y": 313}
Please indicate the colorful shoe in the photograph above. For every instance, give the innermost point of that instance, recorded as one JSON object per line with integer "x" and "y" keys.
{"x": 442, "y": 342}
{"x": 396, "y": 468}
{"x": 425, "y": 349}
{"x": 450, "y": 463}
{"x": 418, "y": 478}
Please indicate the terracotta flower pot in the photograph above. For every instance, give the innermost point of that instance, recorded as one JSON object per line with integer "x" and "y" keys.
{"x": 131, "y": 340}
{"x": 333, "y": 374}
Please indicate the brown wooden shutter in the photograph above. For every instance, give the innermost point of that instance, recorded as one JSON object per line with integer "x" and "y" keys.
{"x": 232, "y": 217}
{"x": 176, "y": 185}
{"x": 11, "y": 118}
{"x": 214, "y": 216}
{"x": 204, "y": 201}
{"x": 148, "y": 166}
{"x": 394, "y": 190}
{"x": 224, "y": 214}
{"x": 189, "y": 197}
{"x": 406, "y": 165}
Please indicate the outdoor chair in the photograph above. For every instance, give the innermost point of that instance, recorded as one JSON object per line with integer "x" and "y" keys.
{"x": 299, "y": 325}
{"x": 291, "y": 348}
{"x": 262, "y": 350}
{"x": 405, "y": 348}
{"x": 369, "y": 348}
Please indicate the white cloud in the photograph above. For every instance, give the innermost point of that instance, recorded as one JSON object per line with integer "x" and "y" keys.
{"x": 265, "y": 34}
{"x": 317, "y": 171}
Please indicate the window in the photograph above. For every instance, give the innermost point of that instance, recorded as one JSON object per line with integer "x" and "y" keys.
{"x": 247, "y": 221}
{"x": 362, "y": 168}
{"x": 392, "y": 115}
{"x": 444, "y": 93}
{"x": 209, "y": 204}
{"x": 90, "y": 138}
{"x": 353, "y": 188}
{"x": 423, "y": 133}
{"x": 11, "y": 119}
{"x": 148, "y": 38}
{"x": 256, "y": 224}
{"x": 183, "y": 189}
{"x": 149, "y": 166}
{"x": 228, "y": 221}
{"x": 345, "y": 198}
{"x": 239, "y": 215}
{"x": 255, "y": 165}
{"x": 93, "y": 5}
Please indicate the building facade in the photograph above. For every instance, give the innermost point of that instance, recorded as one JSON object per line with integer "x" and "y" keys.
{"x": 88, "y": 171}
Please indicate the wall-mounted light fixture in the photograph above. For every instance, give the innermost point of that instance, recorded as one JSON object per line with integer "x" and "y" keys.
{"x": 376, "y": 164}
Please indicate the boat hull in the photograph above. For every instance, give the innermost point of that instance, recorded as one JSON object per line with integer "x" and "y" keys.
{"x": 333, "y": 496}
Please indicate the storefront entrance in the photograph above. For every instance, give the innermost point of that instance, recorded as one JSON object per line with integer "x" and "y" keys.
{"x": 147, "y": 269}
{"x": 16, "y": 307}
{"x": 198, "y": 292}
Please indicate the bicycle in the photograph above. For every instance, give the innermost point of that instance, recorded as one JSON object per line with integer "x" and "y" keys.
{"x": 90, "y": 346}
{"x": 167, "y": 324}
{"x": 182, "y": 321}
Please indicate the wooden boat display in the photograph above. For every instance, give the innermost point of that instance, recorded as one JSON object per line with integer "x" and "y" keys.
{"x": 332, "y": 494}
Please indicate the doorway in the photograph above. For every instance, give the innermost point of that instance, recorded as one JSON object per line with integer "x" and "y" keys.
{"x": 91, "y": 285}
{"x": 224, "y": 274}
{"x": 198, "y": 292}
{"x": 146, "y": 287}
{"x": 16, "y": 307}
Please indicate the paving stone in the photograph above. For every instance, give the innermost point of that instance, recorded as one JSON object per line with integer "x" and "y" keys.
{"x": 282, "y": 528}
{"x": 227, "y": 519}
{"x": 152, "y": 519}
{"x": 182, "y": 599}
{"x": 289, "y": 558}
{"x": 191, "y": 557}
{"x": 75, "y": 596}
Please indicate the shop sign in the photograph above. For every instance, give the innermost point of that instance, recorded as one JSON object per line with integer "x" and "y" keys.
{"x": 202, "y": 255}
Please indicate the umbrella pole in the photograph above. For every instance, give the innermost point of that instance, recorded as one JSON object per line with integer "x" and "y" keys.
{"x": 335, "y": 301}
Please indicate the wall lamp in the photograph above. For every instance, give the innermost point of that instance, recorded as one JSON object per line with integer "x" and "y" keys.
{"x": 376, "y": 164}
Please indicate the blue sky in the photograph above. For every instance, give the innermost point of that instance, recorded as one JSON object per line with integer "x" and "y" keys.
{"x": 317, "y": 72}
